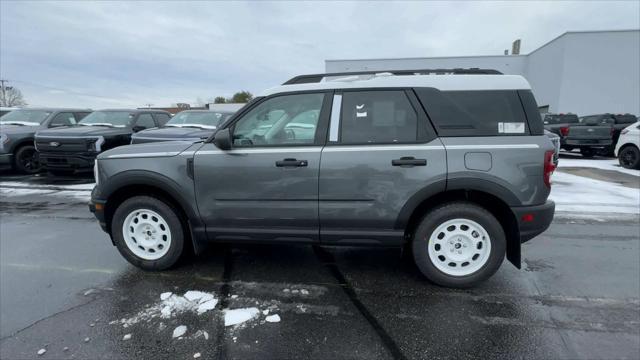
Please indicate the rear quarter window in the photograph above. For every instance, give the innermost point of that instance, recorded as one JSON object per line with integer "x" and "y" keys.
{"x": 479, "y": 113}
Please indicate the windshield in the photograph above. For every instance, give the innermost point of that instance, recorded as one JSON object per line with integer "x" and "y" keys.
{"x": 25, "y": 117}
{"x": 206, "y": 119}
{"x": 107, "y": 118}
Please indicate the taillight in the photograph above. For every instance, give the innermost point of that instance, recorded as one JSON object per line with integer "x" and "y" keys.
{"x": 564, "y": 131}
{"x": 549, "y": 167}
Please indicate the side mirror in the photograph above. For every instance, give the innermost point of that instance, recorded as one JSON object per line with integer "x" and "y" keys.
{"x": 137, "y": 128}
{"x": 222, "y": 139}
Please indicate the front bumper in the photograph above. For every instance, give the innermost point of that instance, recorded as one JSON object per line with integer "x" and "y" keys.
{"x": 534, "y": 220}
{"x": 97, "y": 207}
{"x": 74, "y": 162}
{"x": 6, "y": 161}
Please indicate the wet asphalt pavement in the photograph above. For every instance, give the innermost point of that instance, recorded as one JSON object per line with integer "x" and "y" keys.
{"x": 64, "y": 288}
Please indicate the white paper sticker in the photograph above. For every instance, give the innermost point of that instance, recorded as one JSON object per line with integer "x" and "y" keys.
{"x": 514, "y": 128}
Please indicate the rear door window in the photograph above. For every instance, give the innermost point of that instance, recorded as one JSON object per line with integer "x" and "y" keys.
{"x": 475, "y": 113}
{"x": 146, "y": 121}
{"x": 377, "y": 117}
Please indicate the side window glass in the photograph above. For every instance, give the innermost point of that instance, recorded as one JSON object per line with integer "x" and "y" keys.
{"x": 80, "y": 115}
{"x": 63, "y": 119}
{"x": 282, "y": 120}
{"x": 145, "y": 121}
{"x": 161, "y": 118}
{"x": 377, "y": 117}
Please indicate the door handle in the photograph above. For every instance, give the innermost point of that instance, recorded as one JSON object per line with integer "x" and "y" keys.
{"x": 409, "y": 161}
{"x": 291, "y": 163}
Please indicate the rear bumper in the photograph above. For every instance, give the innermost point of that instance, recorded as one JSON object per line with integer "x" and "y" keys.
{"x": 588, "y": 143}
{"x": 534, "y": 220}
{"x": 6, "y": 161}
{"x": 73, "y": 162}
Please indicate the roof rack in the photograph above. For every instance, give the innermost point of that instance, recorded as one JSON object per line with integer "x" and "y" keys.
{"x": 315, "y": 78}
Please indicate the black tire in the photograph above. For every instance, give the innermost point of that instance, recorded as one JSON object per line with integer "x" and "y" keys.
{"x": 26, "y": 160}
{"x": 176, "y": 228}
{"x": 629, "y": 157}
{"x": 587, "y": 152}
{"x": 458, "y": 210}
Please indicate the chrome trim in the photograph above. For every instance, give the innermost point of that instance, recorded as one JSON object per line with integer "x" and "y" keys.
{"x": 381, "y": 148}
{"x": 504, "y": 146}
{"x": 141, "y": 155}
{"x": 334, "y": 124}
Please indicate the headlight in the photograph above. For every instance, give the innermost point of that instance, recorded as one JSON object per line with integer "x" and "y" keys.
{"x": 95, "y": 145}
{"x": 3, "y": 140}
{"x": 96, "y": 175}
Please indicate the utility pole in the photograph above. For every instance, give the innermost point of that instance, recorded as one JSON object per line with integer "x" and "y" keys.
{"x": 4, "y": 98}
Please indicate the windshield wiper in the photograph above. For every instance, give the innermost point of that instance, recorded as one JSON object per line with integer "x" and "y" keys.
{"x": 96, "y": 124}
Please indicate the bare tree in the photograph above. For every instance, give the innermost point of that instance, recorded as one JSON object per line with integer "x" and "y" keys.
{"x": 11, "y": 96}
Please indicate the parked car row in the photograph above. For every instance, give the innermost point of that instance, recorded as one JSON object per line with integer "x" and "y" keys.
{"x": 66, "y": 141}
{"x": 592, "y": 135}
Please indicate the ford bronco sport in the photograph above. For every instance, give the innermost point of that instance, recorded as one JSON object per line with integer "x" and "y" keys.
{"x": 455, "y": 166}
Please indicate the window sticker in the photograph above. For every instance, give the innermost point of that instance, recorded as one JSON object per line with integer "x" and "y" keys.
{"x": 511, "y": 128}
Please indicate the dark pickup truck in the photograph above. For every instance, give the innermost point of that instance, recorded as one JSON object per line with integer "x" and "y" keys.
{"x": 618, "y": 122}
{"x": 591, "y": 134}
{"x": 67, "y": 150}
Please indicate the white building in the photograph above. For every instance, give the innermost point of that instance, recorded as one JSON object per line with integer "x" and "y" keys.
{"x": 585, "y": 73}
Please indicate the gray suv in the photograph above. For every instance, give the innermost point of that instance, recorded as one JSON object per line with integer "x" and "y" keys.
{"x": 455, "y": 167}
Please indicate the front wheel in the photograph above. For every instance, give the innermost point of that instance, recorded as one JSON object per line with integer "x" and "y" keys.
{"x": 458, "y": 245}
{"x": 148, "y": 233}
{"x": 629, "y": 157}
{"x": 27, "y": 160}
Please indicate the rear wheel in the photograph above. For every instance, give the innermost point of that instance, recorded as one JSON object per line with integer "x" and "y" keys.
{"x": 459, "y": 245}
{"x": 27, "y": 160}
{"x": 629, "y": 157}
{"x": 148, "y": 233}
{"x": 587, "y": 152}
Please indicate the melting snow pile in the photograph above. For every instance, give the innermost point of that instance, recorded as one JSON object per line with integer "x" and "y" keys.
{"x": 171, "y": 305}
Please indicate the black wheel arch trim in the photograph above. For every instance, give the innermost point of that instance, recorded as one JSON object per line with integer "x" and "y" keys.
{"x": 164, "y": 183}
{"x": 461, "y": 183}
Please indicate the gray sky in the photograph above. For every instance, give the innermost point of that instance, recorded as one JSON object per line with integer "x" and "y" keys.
{"x": 121, "y": 54}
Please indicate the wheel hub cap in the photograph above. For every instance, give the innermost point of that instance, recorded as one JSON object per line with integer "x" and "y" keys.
{"x": 146, "y": 234}
{"x": 459, "y": 247}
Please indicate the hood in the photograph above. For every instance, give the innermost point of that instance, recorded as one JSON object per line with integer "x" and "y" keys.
{"x": 18, "y": 129}
{"x": 79, "y": 131}
{"x": 175, "y": 133}
{"x": 155, "y": 149}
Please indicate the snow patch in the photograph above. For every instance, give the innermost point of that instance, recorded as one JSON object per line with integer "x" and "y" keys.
{"x": 173, "y": 305}
{"x": 179, "y": 331}
{"x": 604, "y": 164}
{"x": 207, "y": 305}
{"x": 238, "y": 316}
{"x": 579, "y": 194}
{"x": 273, "y": 318}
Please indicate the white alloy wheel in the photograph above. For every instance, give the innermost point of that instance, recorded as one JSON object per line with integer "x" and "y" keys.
{"x": 459, "y": 247}
{"x": 146, "y": 234}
